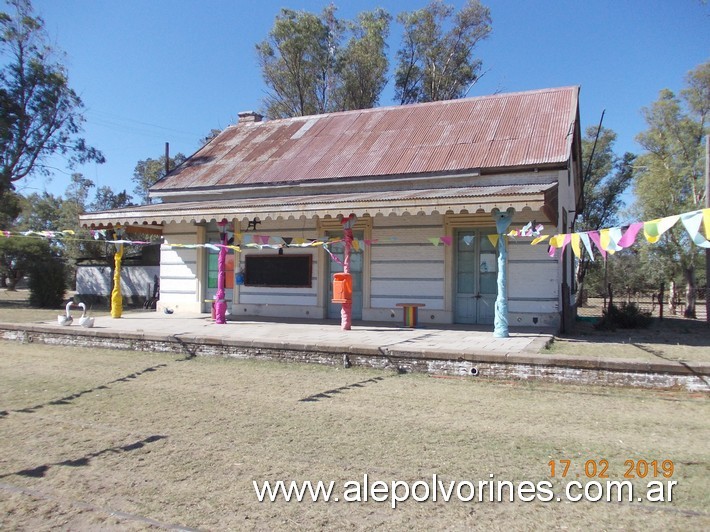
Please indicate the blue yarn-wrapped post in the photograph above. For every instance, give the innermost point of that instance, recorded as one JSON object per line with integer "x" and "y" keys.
{"x": 500, "y": 322}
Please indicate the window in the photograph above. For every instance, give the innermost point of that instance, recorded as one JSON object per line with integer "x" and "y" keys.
{"x": 212, "y": 270}
{"x": 278, "y": 270}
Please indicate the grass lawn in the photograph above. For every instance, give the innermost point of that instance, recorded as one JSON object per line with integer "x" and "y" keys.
{"x": 667, "y": 339}
{"x": 95, "y": 439}
{"x": 14, "y": 308}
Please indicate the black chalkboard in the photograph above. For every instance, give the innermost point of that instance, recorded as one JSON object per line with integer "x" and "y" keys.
{"x": 278, "y": 270}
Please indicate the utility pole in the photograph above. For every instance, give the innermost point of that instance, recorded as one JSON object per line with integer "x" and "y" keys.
{"x": 167, "y": 158}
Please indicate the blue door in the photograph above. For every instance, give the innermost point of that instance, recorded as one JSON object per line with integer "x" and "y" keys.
{"x": 475, "y": 283}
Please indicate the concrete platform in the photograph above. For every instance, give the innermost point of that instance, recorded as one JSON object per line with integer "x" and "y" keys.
{"x": 452, "y": 350}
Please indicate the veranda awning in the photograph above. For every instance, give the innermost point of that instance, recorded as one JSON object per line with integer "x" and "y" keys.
{"x": 470, "y": 200}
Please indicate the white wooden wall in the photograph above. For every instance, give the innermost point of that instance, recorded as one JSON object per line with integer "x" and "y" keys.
{"x": 96, "y": 280}
{"x": 180, "y": 268}
{"x": 406, "y": 267}
{"x": 533, "y": 284}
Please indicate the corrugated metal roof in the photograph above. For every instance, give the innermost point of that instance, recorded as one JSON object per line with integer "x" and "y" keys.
{"x": 500, "y": 131}
{"x": 427, "y": 201}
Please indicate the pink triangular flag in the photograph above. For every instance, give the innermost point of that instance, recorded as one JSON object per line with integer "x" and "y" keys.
{"x": 594, "y": 236}
{"x": 630, "y": 235}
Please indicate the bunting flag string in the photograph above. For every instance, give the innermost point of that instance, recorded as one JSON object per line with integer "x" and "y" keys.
{"x": 532, "y": 229}
{"x": 584, "y": 237}
{"x": 613, "y": 239}
{"x": 607, "y": 240}
{"x": 691, "y": 221}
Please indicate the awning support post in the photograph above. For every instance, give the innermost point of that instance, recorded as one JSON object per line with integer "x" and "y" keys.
{"x": 346, "y": 310}
{"x": 500, "y": 323}
{"x": 116, "y": 296}
{"x": 220, "y": 304}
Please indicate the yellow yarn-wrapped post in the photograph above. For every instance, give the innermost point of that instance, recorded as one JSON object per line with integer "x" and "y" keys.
{"x": 116, "y": 297}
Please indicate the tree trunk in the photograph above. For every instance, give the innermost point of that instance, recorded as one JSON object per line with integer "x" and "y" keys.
{"x": 12, "y": 278}
{"x": 690, "y": 295}
{"x": 672, "y": 298}
{"x": 580, "y": 274}
{"x": 579, "y": 296}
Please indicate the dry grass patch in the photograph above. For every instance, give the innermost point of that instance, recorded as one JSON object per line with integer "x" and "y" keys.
{"x": 667, "y": 339}
{"x": 179, "y": 441}
{"x": 15, "y": 308}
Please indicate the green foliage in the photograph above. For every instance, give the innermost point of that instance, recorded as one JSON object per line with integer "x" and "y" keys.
{"x": 297, "y": 62}
{"x": 40, "y": 115}
{"x": 670, "y": 174}
{"x": 48, "y": 283}
{"x": 204, "y": 140}
{"x": 308, "y": 70}
{"x": 362, "y": 64}
{"x": 107, "y": 199}
{"x": 625, "y": 271}
{"x": 18, "y": 255}
{"x": 41, "y": 212}
{"x": 149, "y": 171}
{"x": 47, "y": 212}
{"x": 433, "y": 63}
{"x": 10, "y": 207}
{"x": 628, "y": 316}
{"x": 606, "y": 177}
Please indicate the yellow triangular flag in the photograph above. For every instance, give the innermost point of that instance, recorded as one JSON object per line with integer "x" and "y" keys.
{"x": 557, "y": 241}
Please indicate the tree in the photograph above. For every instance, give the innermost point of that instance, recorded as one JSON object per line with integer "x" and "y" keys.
{"x": 606, "y": 177}
{"x": 18, "y": 255}
{"x": 10, "y": 208}
{"x": 297, "y": 63}
{"x": 363, "y": 64}
{"x": 210, "y": 136}
{"x": 435, "y": 64}
{"x": 41, "y": 212}
{"x": 148, "y": 172}
{"x": 40, "y": 115}
{"x": 48, "y": 282}
{"x": 308, "y": 70}
{"x": 106, "y": 199}
{"x": 670, "y": 178}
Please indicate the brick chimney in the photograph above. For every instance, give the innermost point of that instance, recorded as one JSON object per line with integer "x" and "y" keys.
{"x": 249, "y": 116}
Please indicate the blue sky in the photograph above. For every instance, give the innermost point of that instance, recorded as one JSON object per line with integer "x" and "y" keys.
{"x": 156, "y": 71}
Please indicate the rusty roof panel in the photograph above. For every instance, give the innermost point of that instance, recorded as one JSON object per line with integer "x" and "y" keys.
{"x": 503, "y": 130}
{"x": 437, "y": 158}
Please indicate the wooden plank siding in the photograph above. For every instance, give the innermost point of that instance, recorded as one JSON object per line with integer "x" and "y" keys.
{"x": 405, "y": 265}
{"x": 180, "y": 268}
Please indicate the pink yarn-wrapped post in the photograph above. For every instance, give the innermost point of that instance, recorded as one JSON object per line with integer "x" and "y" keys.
{"x": 220, "y": 304}
{"x": 346, "y": 311}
